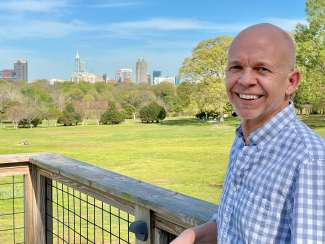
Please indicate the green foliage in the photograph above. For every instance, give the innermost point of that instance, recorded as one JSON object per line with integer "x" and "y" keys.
{"x": 166, "y": 92}
{"x": 185, "y": 93}
{"x": 206, "y": 68}
{"x": 112, "y": 116}
{"x": 129, "y": 110}
{"x": 152, "y": 112}
{"x": 208, "y": 60}
{"x": 310, "y": 45}
{"x": 69, "y": 116}
{"x": 211, "y": 96}
{"x": 25, "y": 123}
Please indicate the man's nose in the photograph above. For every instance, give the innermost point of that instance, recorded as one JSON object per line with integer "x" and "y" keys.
{"x": 247, "y": 78}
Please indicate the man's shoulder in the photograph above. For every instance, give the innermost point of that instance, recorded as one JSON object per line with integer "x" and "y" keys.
{"x": 313, "y": 144}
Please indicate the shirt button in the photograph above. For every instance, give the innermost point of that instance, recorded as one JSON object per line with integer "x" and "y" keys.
{"x": 227, "y": 219}
{"x": 234, "y": 188}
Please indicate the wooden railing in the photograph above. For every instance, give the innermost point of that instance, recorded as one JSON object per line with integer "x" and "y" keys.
{"x": 165, "y": 212}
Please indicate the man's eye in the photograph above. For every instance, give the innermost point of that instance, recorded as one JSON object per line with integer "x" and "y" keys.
{"x": 262, "y": 69}
{"x": 234, "y": 68}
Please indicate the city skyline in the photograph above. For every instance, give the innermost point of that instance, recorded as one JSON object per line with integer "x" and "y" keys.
{"x": 113, "y": 34}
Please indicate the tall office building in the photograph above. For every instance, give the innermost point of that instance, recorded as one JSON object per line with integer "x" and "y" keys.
{"x": 77, "y": 63}
{"x": 155, "y": 74}
{"x": 21, "y": 70}
{"x": 141, "y": 71}
{"x": 80, "y": 73}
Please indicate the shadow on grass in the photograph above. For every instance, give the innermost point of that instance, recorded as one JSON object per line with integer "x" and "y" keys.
{"x": 314, "y": 121}
{"x": 184, "y": 121}
{"x": 194, "y": 121}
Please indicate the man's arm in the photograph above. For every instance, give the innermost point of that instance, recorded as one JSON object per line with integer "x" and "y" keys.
{"x": 203, "y": 234}
{"x": 308, "y": 219}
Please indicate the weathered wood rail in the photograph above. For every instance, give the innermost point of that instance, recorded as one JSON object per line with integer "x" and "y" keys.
{"x": 165, "y": 212}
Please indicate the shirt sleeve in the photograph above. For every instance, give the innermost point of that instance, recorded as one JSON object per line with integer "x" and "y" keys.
{"x": 308, "y": 218}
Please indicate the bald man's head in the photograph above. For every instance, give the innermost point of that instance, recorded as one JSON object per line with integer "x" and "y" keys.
{"x": 269, "y": 35}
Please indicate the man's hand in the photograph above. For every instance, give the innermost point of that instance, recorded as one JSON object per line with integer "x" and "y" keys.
{"x": 206, "y": 233}
{"x": 186, "y": 237}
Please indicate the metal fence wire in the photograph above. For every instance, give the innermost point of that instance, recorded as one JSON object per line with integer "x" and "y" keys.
{"x": 12, "y": 209}
{"x": 75, "y": 217}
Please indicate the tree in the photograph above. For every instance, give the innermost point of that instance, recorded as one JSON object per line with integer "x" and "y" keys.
{"x": 206, "y": 67}
{"x": 310, "y": 45}
{"x": 211, "y": 98}
{"x": 69, "y": 116}
{"x": 185, "y": 93}
{"x": 166, "y": 93}
{"x": 152, "y": 113}
{"x": 112, "y": 115}
{"x": 208, "y": 60}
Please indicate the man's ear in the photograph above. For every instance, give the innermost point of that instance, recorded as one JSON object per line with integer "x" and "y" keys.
{"x": 294, "y": 80}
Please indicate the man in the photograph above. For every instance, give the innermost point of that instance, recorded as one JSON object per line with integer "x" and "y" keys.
{"x": 274, "y": 190}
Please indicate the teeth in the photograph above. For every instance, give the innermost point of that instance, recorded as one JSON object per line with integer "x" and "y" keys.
{"x": 250, "y": 97}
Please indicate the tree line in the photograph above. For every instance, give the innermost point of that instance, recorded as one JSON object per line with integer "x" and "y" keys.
{"x": 201, "y": 93}
{"x": 27, "y": 104}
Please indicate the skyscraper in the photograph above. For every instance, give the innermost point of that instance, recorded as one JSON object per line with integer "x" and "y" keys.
{"x": 77, "y": 63}
{"x": 141, "y": 71}
{"x": 21, "y": 70}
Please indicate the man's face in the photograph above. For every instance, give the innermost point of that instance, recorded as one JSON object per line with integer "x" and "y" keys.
{"x": 257, "y": 78}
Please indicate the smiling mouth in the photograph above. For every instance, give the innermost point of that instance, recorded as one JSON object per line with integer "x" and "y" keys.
{"x": 248, "y": 97}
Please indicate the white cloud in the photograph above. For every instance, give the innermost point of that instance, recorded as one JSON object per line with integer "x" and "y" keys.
{"x": 22, "y": 27}
{"x": 119, "y": 4}
{"x": 164, "y": 24}
{"x": 32, "y": 5}
{"x": 286, "y": 24}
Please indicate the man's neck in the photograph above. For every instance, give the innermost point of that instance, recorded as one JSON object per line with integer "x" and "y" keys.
{"x": 250, "y": 125}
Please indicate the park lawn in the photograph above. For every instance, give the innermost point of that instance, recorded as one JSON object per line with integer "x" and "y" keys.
{"x": 182, "y": 154}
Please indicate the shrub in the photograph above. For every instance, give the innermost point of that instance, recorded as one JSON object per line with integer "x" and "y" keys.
{"x": 26, "y": 123}
{"x": 112, "y": 116}
{"x": 152, "y": 113}
{"x": 69, "y": 116}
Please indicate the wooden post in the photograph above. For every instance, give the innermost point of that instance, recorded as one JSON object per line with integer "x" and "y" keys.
{"x": 35, "y": 208}
{"x": 144, "y": 214}
{"x": 161, "y": 237}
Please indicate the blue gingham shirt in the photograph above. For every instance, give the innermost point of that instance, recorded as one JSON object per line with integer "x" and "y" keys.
{"x": 274, "y": 190}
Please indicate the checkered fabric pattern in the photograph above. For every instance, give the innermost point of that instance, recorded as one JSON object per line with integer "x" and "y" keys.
{"x": 274, "y": 190}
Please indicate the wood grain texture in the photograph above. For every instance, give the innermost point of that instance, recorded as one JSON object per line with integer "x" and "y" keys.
{"x": 168, "y": 212}
{"x": 175, "y": 207}
{"x": 144, "y": 214}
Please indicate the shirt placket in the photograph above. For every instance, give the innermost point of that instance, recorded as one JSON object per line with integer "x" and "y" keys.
{"x": 241, "y": 166}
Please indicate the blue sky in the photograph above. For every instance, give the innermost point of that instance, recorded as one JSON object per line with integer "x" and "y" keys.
{"x": 113, "y": 34}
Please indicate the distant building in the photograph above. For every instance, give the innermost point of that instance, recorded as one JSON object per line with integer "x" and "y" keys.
{"x": 124, "y": 75}
{"x": 170, "y": 79}
{"x": 21, "y": 70}
{"x": 141, "y": 71}
{"x": 80, "y": 73}
{"x": 155, "y": 74}
{"x": 7, "y": 74}
{"x": 54, "y": 80}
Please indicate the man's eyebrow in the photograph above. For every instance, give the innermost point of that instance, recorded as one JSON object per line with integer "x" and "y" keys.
{"x": 234, "y": 62}
{"x": 263, "y": 63}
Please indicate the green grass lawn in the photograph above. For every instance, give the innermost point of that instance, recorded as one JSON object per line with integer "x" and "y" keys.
{"x": 182, "y": 154}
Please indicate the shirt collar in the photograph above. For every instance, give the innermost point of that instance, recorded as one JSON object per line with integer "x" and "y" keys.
{"x": 271, "y": 128}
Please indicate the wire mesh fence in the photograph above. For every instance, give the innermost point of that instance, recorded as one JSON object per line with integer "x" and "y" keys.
{"x": 12, "y": 209}
{"x": 75, "y": 217}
